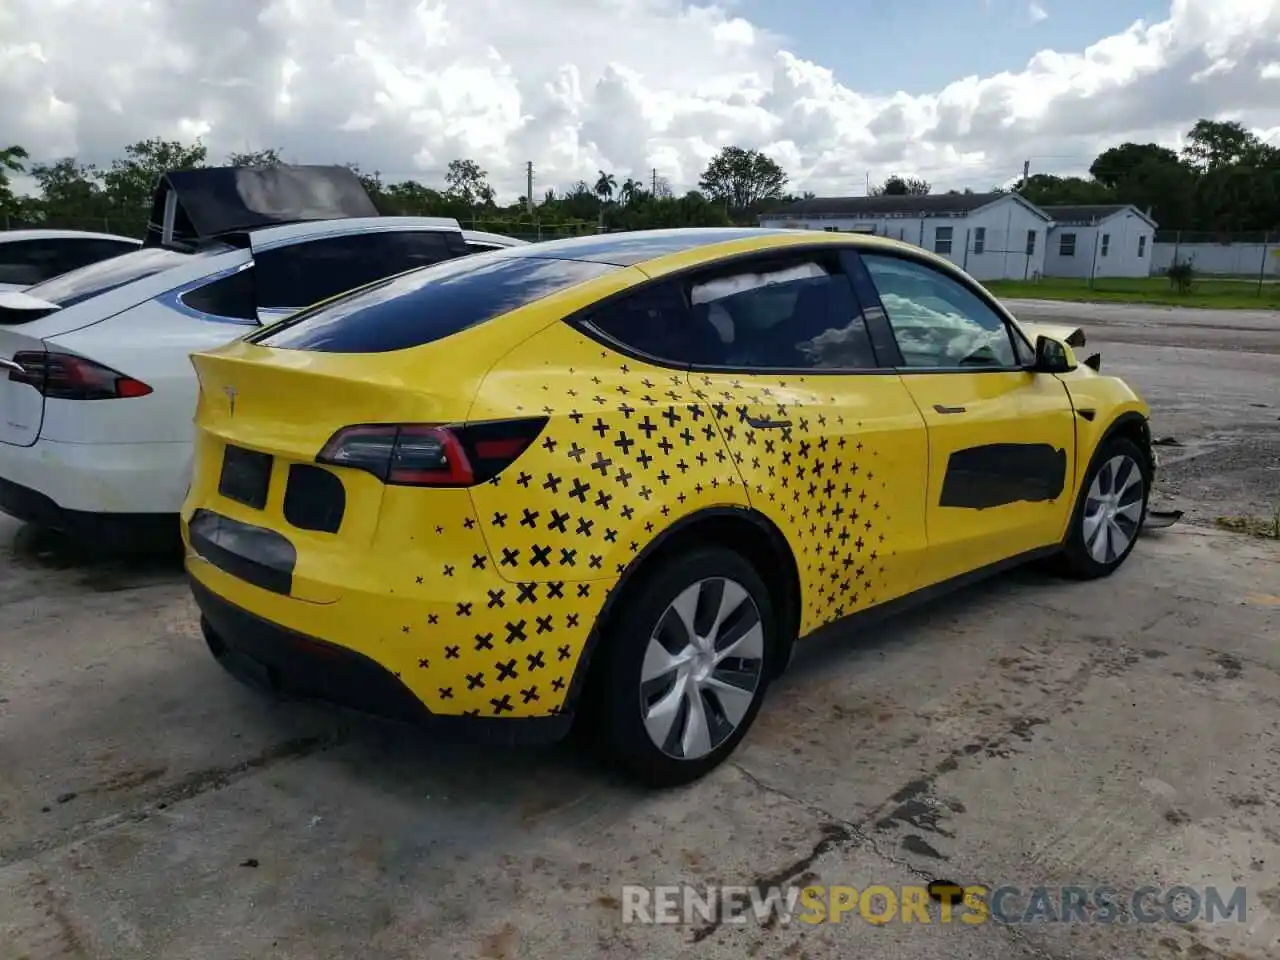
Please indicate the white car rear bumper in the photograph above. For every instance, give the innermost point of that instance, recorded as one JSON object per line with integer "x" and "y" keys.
{"x": 117, "y": 479}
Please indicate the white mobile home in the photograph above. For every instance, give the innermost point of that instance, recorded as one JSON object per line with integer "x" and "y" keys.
{"x": 993, "y": 236}
{"x": 1099, "y": 240}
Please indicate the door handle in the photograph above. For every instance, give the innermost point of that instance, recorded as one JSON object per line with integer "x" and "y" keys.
{"x": 766, "y": 424}
{"x": 941, "y": 409}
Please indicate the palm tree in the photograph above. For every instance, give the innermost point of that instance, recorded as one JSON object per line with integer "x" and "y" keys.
{"x": 605, "y": 186}
{"x": 630, "y": 191}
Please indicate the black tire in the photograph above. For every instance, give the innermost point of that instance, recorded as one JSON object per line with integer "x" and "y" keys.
{"x": 615, "y": 698}
{"x": 1076, "y": 561}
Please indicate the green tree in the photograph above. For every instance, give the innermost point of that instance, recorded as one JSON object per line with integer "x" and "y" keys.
{"x": 1047, "y": 189}
{"x": 742, "y": 178}
{"x": 11, "y": 161}
{"x": 1116, "y": 165}
{"x": 1166, "y": 189}
{"x": 606, "y": 183}
{"x": 412, "y": 199}
{"x": 630, "y": 191}
{"x": 897, "y": 186}
{"x": 466, "y": 181}
{"x": 131, "y": 181}
{"x": 70, "y": 191}
{"x": 256, "y": 158}
{"x": 1213, "y": 144}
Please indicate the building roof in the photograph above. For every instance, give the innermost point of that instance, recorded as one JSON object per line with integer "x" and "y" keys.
{"x": 930, "y": 205}
{"x": 1088, "y": 214}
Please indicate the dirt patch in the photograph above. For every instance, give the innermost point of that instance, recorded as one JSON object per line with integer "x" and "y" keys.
{"x": 1233, "y": 475}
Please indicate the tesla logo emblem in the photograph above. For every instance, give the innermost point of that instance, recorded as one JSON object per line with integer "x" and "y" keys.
{"x": 231, "y": 398}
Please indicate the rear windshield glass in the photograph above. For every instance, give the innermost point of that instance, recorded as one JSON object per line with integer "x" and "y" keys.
{"x": 68, "y": 288}
{"x": 427, "y": 304}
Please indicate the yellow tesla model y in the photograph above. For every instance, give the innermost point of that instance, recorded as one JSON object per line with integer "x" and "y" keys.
{"x": 617, "y": 477}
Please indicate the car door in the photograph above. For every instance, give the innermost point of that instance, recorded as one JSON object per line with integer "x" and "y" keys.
{"x": 826, "y": 441}
{"x": 296, "y": 275}
{"x": 1001, "y": 436}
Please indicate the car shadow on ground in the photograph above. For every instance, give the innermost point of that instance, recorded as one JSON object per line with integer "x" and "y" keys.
{"x": 565, "y": 781}
{"x": 853, "y": 640}
{"x": 97, "y": 567}
{"x": 574, "y": 778}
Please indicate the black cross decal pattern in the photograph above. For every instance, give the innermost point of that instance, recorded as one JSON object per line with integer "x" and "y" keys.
{"x": 625, "y": 454}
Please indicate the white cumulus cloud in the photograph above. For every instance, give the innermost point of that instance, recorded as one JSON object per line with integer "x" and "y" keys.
{"x": 403, "y": 86}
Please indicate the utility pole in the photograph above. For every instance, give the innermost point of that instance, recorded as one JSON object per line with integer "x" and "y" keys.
{"x": 653, "y": 190}
{"x": 528, "y": 196}
{"x": 1026, "y": 172}
{"x": 868, "y": 183}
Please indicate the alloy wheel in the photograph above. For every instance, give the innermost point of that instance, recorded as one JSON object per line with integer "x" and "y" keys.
{"x": 702, "y": 668}
{"x": 1113, "y": 509}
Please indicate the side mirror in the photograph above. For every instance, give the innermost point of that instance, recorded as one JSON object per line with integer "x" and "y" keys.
{"x": 1053, "y": 356}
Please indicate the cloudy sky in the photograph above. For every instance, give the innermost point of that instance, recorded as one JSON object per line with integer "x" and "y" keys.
{"x": 957, "y": 91}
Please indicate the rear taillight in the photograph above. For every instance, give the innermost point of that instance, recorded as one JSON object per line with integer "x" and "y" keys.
{"x": 430, "y": 455}
{"x": 64, "y": 376}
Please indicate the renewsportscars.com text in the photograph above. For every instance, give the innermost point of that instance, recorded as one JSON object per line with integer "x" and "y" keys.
{"x": 881, "y": 904}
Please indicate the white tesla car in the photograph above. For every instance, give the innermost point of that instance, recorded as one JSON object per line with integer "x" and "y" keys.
{"x": 30, "y": 256}
{"x": 97, "y": 391}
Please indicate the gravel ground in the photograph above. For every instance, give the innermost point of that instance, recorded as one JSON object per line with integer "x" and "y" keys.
{"x": 1213, "y": 381}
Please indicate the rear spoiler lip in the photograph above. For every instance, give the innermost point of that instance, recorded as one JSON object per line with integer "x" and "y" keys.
{"x": 18, "y": 300}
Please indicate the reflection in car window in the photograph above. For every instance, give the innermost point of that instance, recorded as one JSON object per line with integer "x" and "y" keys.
{"x": 937, "y": 321}
{"x": 655, "y": 322}
{"x": 799, "y": 316}
{"x": 427, "y": 304}
{"x": 96, "y": 278}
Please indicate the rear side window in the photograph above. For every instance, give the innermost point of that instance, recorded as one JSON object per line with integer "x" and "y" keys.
{"x": 428, "y": 305}
{"x": 656, "y": 322}
{"x": 301, "y": 274}
{"x": 792, "y": 316}
{"x": 799, "y": 315}
{"x": 231, "y": 296}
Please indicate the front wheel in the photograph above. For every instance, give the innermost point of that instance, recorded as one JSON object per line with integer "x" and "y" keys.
{"x": 1109, "y": 512}
{"x": 687, "y": 666}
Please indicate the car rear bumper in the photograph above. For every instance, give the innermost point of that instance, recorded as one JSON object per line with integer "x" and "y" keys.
{"x": 96, "y": 478}
{"x": 273, "y": 657}
{"x": 112, "y": 531}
